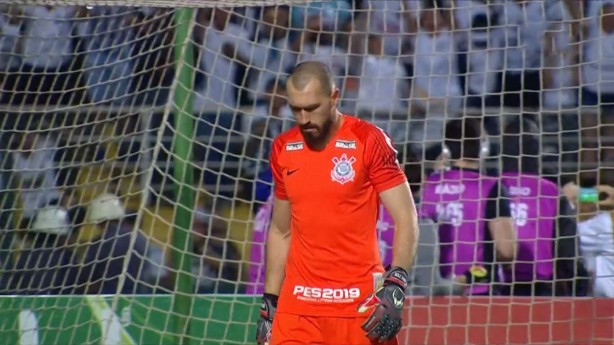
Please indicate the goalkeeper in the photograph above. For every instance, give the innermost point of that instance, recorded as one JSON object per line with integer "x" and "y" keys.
{"x": 324, "y": 281}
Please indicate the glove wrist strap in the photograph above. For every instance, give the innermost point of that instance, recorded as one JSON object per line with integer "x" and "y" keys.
{"x": 270, "y": 298}
{"x": 397, "y": 276}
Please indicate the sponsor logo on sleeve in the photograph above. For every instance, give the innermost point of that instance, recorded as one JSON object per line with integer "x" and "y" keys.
{"x": 346, "y": 144}
{"x": 295, "y": 146}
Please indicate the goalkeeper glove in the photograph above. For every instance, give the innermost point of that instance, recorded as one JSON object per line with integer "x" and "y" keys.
{"x": 265, "y": 323}
{"x": 387, "y": 304}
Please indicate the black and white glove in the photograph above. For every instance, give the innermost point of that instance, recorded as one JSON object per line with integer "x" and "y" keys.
{"x": 387, "y": 303}
{"x": 265, "y": 322}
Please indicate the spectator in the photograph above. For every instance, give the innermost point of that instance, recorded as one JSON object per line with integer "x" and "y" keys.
{"x": 547, "y": 237}
{"x": 33, "y": 153}
{"x": 383, "y": 87}
{"x": 266, "y": 122}
{"x": 217, "y": 262}
{"x": 11, "y": 20}
{"x": 153, "y": 55}
{"x": 596, "y": 230}
{"x": 435, "y": 92}
{"x": 104, "y": 259}
{"x": 318, "y": 44}
{"x": 46, "y": 74}
{"x": 597, "y": 149}
{"x": 476, "y": 230}
{"x": 107, "y": 40}
{"x": 598, "y": 64}
{"x": 392, "y": 20}
{"x": 224, "y": 46}
{"x": 560, "y": 85}
{"x": 480, "y": 42}
{"x": 597, "y": 73}
{"x": 525, "y": 23}
{"x": 436, "y": 89}
{"x": 44, "y": 265}
{"x": 334, "y": 13}
{"x": 274, "y": 49}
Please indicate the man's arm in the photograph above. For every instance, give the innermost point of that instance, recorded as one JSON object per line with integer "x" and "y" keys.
{"x": 387, "y": 301}
{"x": 401, "y": 207}
{"x": 390, "y": 182}
{"x": 501, "y": 224}
{"x": 277, "y": 246}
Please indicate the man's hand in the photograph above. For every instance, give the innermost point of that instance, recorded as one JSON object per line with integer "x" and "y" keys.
{"x": 387, "y": 301}
{"x": 265, "y": 323}
{"x": 474, "y": 275}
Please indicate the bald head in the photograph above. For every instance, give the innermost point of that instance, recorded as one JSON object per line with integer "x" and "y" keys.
{"x": 307, "y": 71}
{"x": 313, "y": 99}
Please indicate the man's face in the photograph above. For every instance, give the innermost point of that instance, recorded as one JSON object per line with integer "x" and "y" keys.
{"x": 220, "y": 16}
{"x": 278, "y": 98}
{"x": 200, "y": 230}
{"x": 276, "y": 20}
{"x": 376, "y": 45}
{"x": 27, "y": 141}
{"x": 607, "y": 18}
{"x": 432, "y": 21}
{"x": 313, "y": 111}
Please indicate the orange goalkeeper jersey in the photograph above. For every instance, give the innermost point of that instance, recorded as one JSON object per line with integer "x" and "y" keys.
{"x": 333, "y": 263}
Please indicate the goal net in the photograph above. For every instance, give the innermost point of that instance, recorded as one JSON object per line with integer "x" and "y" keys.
{"x": 134, "y": 180}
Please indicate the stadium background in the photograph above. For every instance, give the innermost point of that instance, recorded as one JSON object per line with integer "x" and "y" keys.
{"x": 136, "y": 103}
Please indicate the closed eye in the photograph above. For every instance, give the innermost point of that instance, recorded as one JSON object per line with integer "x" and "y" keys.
{"x": 308, "y": 108}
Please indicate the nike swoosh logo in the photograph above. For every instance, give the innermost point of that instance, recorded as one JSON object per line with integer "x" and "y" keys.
{"x": 290, "y": 172}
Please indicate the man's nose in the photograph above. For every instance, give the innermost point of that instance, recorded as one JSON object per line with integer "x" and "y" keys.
{"x": 302, "y": 117}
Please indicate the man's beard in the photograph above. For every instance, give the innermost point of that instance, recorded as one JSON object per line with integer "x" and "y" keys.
{"x": 316, "y": 140}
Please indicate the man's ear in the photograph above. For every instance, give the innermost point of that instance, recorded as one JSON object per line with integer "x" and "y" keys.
{"x": 335, "y": 96}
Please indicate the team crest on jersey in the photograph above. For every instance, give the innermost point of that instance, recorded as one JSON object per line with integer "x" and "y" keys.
{"x": 343, "y": 171}
{"x": 294, "y": 146}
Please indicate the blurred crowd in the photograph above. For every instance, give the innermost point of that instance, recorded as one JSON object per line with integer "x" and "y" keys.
{"x": 409, "y": 66}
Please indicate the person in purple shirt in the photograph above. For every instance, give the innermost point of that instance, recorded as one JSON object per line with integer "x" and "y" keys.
{"x": 547, "y": 237}
{"x": 476, "y": 230}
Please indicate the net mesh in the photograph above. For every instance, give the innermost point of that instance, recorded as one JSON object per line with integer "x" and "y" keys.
{"x": 159, "y": 3}
{"x": 94, "y": 170}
